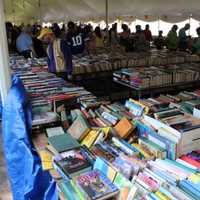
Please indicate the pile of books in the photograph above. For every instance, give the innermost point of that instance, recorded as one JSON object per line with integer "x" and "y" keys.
{"x": 158, "y": 76}
{"x": 46, "y": 91}
{"x": 95, "y": 162}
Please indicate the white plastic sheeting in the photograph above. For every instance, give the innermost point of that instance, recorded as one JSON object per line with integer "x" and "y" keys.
{"x": 57, "y": 10}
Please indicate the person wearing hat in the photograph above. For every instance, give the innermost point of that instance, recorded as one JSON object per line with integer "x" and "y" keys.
{"x": 58, "y": 53}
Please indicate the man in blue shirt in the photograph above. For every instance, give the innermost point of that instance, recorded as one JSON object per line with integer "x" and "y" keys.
{"x": 76, "y": 39}
{"x": 24, "y": 43}
{"x": 59, "y": 54}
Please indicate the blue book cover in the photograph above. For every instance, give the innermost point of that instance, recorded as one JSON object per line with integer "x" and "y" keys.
{"x": 167, "y": 177}
{"x": 96, "y": 185}
{"x": 134, "y": 108}
{"x": 105, "y": 168}
{"x": 147, "y": 132}
{"x": 188, "y": 187}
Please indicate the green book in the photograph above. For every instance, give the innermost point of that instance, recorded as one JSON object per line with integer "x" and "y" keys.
{"x": 181, "y": 166}
{"x": 68, "y": 190}
{"x": 127, "y": 189}
{"x": 63, "y": 142}
{"x": 79, "y": 128}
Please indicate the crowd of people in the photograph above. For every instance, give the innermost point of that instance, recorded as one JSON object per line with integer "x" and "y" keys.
{"x": 58, "y": 44}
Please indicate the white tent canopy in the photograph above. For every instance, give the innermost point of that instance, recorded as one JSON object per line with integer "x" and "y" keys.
{"x": 57, "y": 10}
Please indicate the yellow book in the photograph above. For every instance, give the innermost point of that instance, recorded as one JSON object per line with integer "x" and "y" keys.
{"x": 46, "y": 159}
{"x": 105, "y": 130}
{"x": 194, "y": 178}
{"x": 90, "y": 138}
{"x": 146, "y": 109}
{"x": 162, "y": 196}
{"x": 45, "y": 156}
{"x": 143, "y": 151}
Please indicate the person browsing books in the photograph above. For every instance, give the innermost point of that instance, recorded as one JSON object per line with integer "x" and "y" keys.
{"x": 77, "y": 39}
{"x": 58, "y": 53}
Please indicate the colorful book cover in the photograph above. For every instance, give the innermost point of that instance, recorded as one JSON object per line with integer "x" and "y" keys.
{"x": 127, "y": 189}
{"x": 68, "y": 191}
{"x": 106, "y": 168}
{"x": 72, "y": 161}
{"x": 96, "y": 185}
{"x": 90, "y": 138}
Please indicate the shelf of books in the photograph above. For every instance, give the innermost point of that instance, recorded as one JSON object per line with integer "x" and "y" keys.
{"x": 159, "y": 78}
{"x": 147, "y": 149}
{"x": 107, "y": 59}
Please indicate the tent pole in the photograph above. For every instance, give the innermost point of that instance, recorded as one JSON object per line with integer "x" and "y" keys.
{"x": 5, "y": 79}
{"x": 190, "y": 22}
{"x": 107, "y": 15}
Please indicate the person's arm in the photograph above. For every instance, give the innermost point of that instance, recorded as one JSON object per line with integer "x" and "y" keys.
{"x": 66, "y": 50}
{"x": 87, "y": 41}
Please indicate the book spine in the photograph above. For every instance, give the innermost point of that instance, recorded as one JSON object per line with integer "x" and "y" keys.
{"x": 57, "y": 168}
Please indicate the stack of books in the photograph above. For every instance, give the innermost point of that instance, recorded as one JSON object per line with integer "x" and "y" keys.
{"x": 115, "y": 169}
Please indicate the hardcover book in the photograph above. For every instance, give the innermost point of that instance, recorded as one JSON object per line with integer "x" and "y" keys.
{"x": 73, "y": 162}
{"x": 124, "y": 127}
{"x": 62, "y": 142}
{"x": 96, "y": 185}
{"x": 79, "y": 128}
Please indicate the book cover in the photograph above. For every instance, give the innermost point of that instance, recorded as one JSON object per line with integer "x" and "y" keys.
{"x": 68, "y": 191}
{"x": 90, "y": 138}
{"x": 127, "y": 189}
{"x": 96, "y": 185}
{"x": 106, "y": 168}
{"x": 72, "y": 161}
{"x": 63, "y": 142}
{"x": 124, "y": 127}
{"x": 154, "y": 148}
{"x": 79, "y": 128}
{"x": 99, "y": 151}
{"x": 55, "y": 131}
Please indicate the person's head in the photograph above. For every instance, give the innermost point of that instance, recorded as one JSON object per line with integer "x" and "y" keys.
{"x": 97, "y": 32}
{"x": 138, "y": 28}
{"x": 147, "y": 27}
{"x": 27, "y": 29}
{"x": 187, "y": 27}
{"x": 71, "y": 26}
{"x": 87, "y": 29}
{"x": 198, "y": 31}
{"x": 124, "y": 27}
{"x": 46, "y": 35}
{"x": 160, "y": 33}
{"x": 174, "y": 28}
{"x": 114, "y": 26}
{"x": 9, "y": 26}
{"x": 56, "y": 30}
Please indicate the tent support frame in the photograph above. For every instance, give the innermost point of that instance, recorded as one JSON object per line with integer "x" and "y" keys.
{"x": 5, "y": 78}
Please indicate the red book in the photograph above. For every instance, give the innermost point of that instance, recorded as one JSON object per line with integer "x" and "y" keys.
{"x": 60, "y": 97}
{"x": 191, "y": 161}
{"x": 85, "y": 113}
